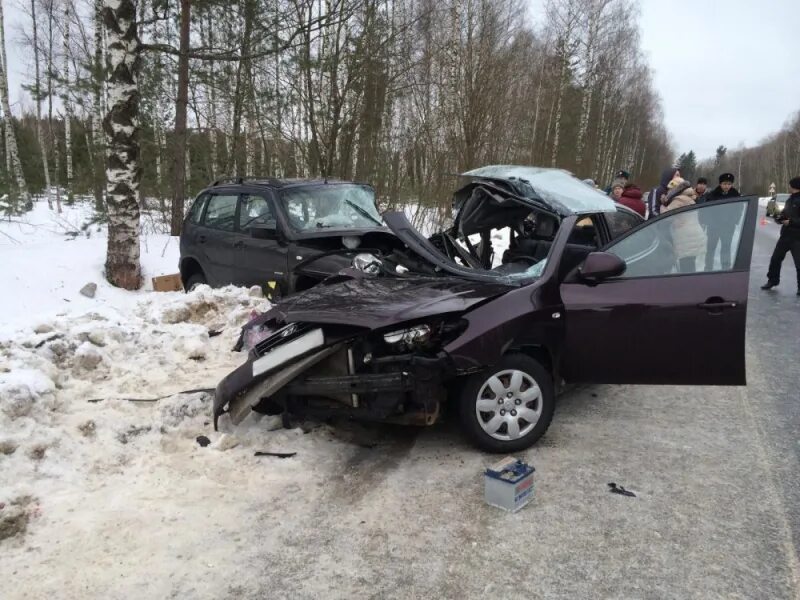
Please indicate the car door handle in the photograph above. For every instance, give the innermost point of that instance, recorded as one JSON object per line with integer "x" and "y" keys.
{"x": 238, "y": 244}
{"x": 201, "y": 239}
{"x": 717, "y": 305}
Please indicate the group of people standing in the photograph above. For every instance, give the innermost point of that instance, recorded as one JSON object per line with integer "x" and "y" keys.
{"x": 693, "y": 235}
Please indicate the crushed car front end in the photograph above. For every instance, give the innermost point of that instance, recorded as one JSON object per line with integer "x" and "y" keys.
{"x": 382, "y": 361}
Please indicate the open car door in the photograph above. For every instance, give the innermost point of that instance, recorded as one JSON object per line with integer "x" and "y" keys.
{"x": 677, "y": 314}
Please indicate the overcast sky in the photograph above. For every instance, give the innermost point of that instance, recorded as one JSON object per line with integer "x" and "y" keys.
{"x": 727, "y": 71}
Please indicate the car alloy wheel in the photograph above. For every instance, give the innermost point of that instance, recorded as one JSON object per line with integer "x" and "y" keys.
{"x": 509, "y": 406}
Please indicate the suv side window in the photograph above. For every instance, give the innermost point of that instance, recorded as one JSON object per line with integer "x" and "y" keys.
{"x": 256, "y": 210}
{"x": 620, "y": 222}
{"x": 197, "y": 209}
{"x": 221, "y": 212}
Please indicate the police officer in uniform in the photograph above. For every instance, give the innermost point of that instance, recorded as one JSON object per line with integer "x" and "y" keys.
{"x": 789, "y": 240}
{"x": 720, "y": 232}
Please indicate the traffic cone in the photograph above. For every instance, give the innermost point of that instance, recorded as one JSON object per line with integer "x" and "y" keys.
{"x": 763, "y": 220}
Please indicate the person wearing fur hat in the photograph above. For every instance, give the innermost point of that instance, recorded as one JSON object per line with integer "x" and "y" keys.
{"x": 620, "y": 177}
{"x": 721, "y": 232}
{"x": 789, "y": 240}
{"x": 688, "y": 239}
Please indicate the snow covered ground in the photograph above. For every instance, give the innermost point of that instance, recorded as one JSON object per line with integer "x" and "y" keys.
{"x": 93, "y": 469}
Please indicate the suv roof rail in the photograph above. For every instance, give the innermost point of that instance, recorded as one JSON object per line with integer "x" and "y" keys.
{"x": 222, "y": 180}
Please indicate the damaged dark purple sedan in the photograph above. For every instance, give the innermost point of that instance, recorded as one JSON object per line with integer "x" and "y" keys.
{"x": 539, "y": 282}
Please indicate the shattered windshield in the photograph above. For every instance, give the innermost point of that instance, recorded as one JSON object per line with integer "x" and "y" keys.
{"x": 336, "y": 206}
{"x": 559, "y": 189}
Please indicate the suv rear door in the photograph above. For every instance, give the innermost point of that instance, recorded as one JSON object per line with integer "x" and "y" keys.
{"x": 217, "y": 235}
{"x": 665, "y": 321}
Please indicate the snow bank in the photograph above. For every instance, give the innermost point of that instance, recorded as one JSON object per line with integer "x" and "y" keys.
{"x": 48, "y": 257}
{"x": 105, "y": 490}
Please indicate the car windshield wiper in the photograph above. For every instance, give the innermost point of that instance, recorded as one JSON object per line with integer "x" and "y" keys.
{"x": 363, "y": 212}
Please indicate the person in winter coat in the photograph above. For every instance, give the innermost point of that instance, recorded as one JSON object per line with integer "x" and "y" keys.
{"x": 619, "y": 177}
{"x": 688, "y": 238}
{"x": 789, "y": 240}
{"x": 632, "y": 198}
{"x": 720, "y": 232}
{"x": 616, "y": 191}
{"x": 658, "y": 194}
{"x": 701, "y": 187}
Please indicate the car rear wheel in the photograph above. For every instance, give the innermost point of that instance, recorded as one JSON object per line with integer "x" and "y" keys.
{"x": 508, "y": 407}
{"x": 194, "y": 280}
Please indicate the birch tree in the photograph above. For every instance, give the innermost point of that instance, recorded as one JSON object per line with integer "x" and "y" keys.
{"x": 12, "y": 151}
{"x": 67, "y": 101}
{"x": 37, "y": 96}
{"x": 121, "y": 126}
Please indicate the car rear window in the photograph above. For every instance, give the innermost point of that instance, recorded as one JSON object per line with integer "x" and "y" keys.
{"x": 221, "y": 212}
{"x": 197, "y": 209}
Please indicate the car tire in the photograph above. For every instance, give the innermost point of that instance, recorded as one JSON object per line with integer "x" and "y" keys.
{"x": 193, "y": 281}
{"x": 516, "y": 387}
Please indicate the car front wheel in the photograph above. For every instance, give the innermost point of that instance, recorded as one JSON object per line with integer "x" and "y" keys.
{"x": 508, "y": 407}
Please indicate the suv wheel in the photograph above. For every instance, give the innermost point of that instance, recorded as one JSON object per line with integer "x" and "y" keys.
{"x": 194, "y": 280}
{"x": 509, "y": 407}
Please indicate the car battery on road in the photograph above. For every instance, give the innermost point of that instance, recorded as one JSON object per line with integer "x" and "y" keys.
{"x": 508, "y": 484}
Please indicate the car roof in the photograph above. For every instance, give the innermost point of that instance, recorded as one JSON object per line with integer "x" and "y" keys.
{"x": 558, "y": 189}
{"x": 276, "y": 183}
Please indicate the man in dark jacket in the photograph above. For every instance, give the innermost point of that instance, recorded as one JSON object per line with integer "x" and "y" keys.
{"x": 656, "y": 195}
{"x": 789, "y": 240}
{"x": 701, "y": 187}
{"x": 720, "y": 231}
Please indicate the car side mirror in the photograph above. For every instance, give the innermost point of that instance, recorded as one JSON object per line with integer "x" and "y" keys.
{"x": 601, "y": 265}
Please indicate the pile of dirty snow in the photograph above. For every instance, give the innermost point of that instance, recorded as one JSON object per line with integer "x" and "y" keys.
{"x": 77, "y": 388}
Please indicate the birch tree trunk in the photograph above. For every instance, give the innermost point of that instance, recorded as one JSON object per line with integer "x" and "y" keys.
{"x": 67, "y": 105}
{"x": 559, "y": 102}
{"x": 98, "y": 151}
{"x": 122, "y": 132}
{"x": 11, "y": 139}
{"x": 38, "y": 99}
{"x": 51, "y": 74}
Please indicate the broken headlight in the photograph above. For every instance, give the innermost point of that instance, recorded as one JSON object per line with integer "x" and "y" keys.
{"x": 408, "y": 337}
{"x": 367, "y": 263}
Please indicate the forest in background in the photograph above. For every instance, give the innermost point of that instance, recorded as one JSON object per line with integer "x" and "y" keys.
{"x": 402, "y": 94}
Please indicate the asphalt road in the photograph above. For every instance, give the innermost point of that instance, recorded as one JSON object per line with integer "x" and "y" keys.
{"x": 716, "y": 472}
{"x": 773, "y": 342}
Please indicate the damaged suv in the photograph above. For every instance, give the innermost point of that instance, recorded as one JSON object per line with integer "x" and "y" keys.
{"x": 576, "y": 290}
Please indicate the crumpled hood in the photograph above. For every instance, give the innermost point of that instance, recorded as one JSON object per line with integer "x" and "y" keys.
{"x": 381, "y": 302}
